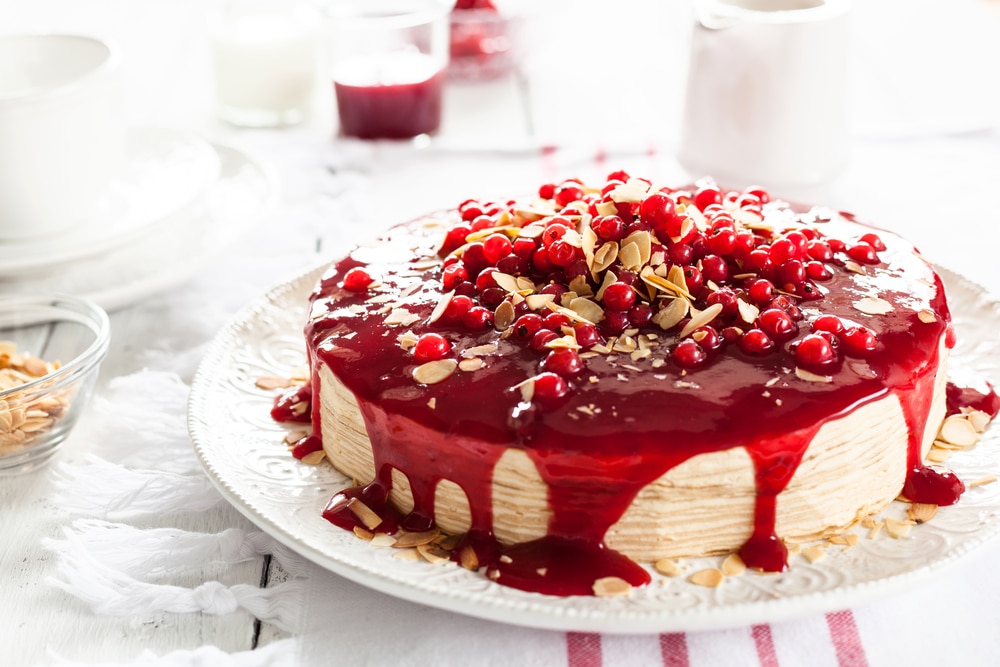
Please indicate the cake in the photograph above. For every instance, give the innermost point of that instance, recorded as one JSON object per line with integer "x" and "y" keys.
{"x": 561, "y": 388}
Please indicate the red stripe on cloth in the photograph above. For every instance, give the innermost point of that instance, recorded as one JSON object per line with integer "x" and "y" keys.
{"x": 583, "y": 649}
{"x": 674, "y": 649}
{"x": 764, "y": 643}
{"x": 846, "y": 640}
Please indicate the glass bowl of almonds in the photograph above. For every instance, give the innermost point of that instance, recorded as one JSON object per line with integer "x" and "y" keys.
{"x": 51, "y": 348}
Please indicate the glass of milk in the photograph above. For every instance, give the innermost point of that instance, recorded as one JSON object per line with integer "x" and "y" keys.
{"x": 266, "y": 57}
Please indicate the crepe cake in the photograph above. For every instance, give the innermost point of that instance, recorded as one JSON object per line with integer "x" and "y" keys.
{"x": 560, "y": 388}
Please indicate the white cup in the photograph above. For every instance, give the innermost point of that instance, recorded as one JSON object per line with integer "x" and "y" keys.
{"x": 766, "y": 98}
{"x": 62, "y": 132}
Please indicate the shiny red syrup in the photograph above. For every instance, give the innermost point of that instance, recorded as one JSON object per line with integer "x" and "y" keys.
{"x": 595, "y": 445}
{"x": 390, "y": 110}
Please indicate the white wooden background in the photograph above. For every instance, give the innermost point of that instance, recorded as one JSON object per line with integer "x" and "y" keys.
{"x": 926, "y": 162}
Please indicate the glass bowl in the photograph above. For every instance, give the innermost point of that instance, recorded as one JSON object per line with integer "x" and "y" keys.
{"x": 51, "y": 348}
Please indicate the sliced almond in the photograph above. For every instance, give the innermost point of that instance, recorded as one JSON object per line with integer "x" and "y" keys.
{"x": 873, "y": 305}
{"x": 433, "y": 554}
{"x": 469, "y": 365}
{"x": 809, "y": 376}
{"x": 468, "y": 559}
{"x": 268, "y": 382}
{"x": 407, "y": 539}
{"x": 670, "y": 316}
{"x": 314, "y": 458}
{"x": 504, "y": 315}
{"x": 813, "y": 554}
{"x": 957, "y": 430}
{"x": 607, "y": 587}
{"x": 587, "y": 309}
{"x": 667, "y": 568}
{"x": 440, "y": 307}
{"x": 921, "y": 512}
{"x": 927, "y": 316}
{"x": 733, "y": 565}
{"x": 709, "y": 577}
{"x": 898, "y": 528}
{"x": 366, "y": 515}
{"x": 433, "y": 372}
{"x": 700, "y": 319}
{"x": 980, "y": 481}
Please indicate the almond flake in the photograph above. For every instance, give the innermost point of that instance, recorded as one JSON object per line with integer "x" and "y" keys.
{"x": 926, "y": 316}
{"x": 606, "y": 208}
{"x": 473, "y": 364}
{"x": 979, "y": 420}
{"x": 873, "y": 305}
{"x": 809, "y": 376}
{"x": 813, "y": 554}
{"x": 506, "y": 282}
{"x": 268, "y": 382}
{"x": 854, "y": 267}
{"x": 407, "y": 539}
{"x": 667, "y": 568}
{"x": 733, "y": 565}
{"x": 607, "y": 587}
{"x": 314, "y": 458}
{"x": 433, "y": 372}
{"x": 630, "y": 257}
{"x": 898, "y": 528}
{"x": 921, "y": 512}
{"x": 504, "y": 315}
{"x": 587, "y": 310}
{"x": 439, "y": 309}
{"x": 382, "y": 540}
{"x": 366, "y": 535}
{"x": 407, "y": 340}
{"x": 407, "y": 554}
{"x": 401, "y": 317}
{"x": 365, "y": 514}
{"x": 671, "y": 315}
{"x": 709, "y": 577}
{"x": 938, "y": 455}
{"x": 539, "y": 301}
{"x": 479, "y": 350}
{"x": 468, "y": 559}
{"x": 957, "y": 430}
{"x": 748, "y": 311}
{"x": 700, "y": 319}
{"x": 604, "y": 257}
{"x": 981, "y": 481}
{"x": 433, "y": 554}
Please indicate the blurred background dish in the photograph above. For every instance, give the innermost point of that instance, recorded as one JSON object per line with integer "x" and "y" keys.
{"x": 165, "y": 171}
{"x": 245, "y": 193}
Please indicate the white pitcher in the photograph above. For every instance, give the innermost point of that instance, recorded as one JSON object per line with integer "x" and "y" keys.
{"x": 766, "y": 98}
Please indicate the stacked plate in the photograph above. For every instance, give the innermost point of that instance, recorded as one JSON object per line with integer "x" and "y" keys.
{"x": 179, "y": 200}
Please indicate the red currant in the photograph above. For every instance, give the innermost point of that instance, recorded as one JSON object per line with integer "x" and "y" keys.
{"x": 430, "y": 347}
{"x": 619, "y": 296}
{"x": 564, "y": 362}
{"x": 357, "y": 280}
{"x": 549, "y": 386}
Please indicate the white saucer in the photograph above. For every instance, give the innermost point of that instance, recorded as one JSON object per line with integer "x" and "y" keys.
{"x": 165, "y": 171}
{"x": 166, "y": 255}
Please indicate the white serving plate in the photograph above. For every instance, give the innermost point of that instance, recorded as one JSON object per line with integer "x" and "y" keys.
{"x": 241, "y": 450}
